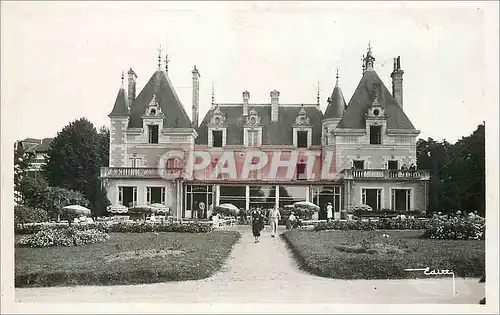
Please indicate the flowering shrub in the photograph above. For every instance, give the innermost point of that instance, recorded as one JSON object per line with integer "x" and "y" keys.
{"x": 381, "y": 224}
{"x": 26, "y": 214}
{"x": 143, "y": 227}
{"x": 64, "y": 237}
{"x": 119, "y": 227}
{"x": 344, "y": 225}
{"x": 456, "y": 228}
{"x": 453, "y": 228}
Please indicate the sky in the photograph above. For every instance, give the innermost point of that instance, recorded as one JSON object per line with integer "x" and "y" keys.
{"x": 63, "y": 60}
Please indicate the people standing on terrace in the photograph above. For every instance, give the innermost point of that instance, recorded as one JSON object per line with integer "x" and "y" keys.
{"x": 329, "y": 211}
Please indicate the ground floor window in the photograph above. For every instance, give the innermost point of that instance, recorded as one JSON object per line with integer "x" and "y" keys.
{"x": 322, "y": 195}
{"x": 235, "y": 195}
{"x": 400, "y": 199}
{"x": 198, "y": 199}
{"x": 288, "y": 195}
{"x": 372, "y": 197}
{"x": 127, "y": 196}
{"x": 260, "y": 197}
{"x": 156, "y": 195}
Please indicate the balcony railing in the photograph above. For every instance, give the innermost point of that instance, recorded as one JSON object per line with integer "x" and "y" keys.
{"x": 386, "y": 174}
{"x": 140, "y": 172}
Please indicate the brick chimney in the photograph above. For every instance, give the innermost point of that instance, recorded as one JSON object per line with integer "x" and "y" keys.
{"x": 246, "y": 98}
{"x": 397, "y": 81}
{"x": 132, "y": 81}
{"x": 275, "y": 100}
{"x": 196, "y": 96}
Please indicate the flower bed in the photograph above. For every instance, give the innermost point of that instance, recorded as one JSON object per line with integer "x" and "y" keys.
{"x": 452, "y": 228}
{"x": 126, "y": 258}
{"x": 386, "y": 213}
{"x": 68, "y": 236}
{"x": 456, "y": 228}
{"x": 382, "y": 254}
{"x": 120, "y": 227}
{"x": 381, "y": 224}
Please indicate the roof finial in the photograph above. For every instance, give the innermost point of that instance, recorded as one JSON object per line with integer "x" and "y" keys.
{"x": 317, "y": 95}
{"x": 369, "y": 60}
{"x": 166, "y": 59}
{"x": 213, "y": 93}
{"x": 159, "y": 57}
{"x": 337, "y": 75}
{"x": 123, "y": 77}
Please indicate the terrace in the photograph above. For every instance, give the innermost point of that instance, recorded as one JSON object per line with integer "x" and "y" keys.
{"x": 378, "y": 174}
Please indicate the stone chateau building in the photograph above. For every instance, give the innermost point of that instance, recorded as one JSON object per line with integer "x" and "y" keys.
{"x": 370, "y": 141}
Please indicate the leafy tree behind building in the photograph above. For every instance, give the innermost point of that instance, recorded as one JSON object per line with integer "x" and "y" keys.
{"x": 74, "y": 159}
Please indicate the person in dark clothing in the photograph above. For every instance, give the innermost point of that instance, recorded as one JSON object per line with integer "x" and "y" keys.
{"x": 257, "y": 223}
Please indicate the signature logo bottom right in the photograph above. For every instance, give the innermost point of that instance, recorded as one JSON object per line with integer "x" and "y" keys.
{"x": 436, "y": 272}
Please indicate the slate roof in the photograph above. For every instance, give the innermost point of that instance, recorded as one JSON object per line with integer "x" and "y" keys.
{"x": 276, "y": 133}
{"x": 354, "y": 116}
{"x": 42, "y": 147}
{"x": 336, "y": 105}
{"x": 31, "y": 140}
{"x": 169, "y": 102}
{"x": 121, "y": 106}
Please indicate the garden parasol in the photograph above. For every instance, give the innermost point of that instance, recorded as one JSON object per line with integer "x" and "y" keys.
{"x": 117, "y": 209}
{"x": 228, "y": 208}
{"x": 307, "y": 205}
{"x": 77, "y": 210}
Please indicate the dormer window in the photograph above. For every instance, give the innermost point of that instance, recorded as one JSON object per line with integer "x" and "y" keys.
{"x": 217, "y": 129}
{"x": 375, "y": 134}
{"x": 253, "y": 138}
{"x": 302, "y": 130}
{"x": 302, "y": 139}
{"x": 217, "y": 138}
{"x": 252, "y": 130}
{"x": 153, "y": 133}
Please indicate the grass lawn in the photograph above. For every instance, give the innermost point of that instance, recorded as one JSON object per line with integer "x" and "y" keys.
{"x": 127, "y": 258}
{"x": 368, "y": 255}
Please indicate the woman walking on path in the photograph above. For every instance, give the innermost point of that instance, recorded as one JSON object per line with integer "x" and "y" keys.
{"x": 257, "y": 223}
{"x": 274, "y": 217}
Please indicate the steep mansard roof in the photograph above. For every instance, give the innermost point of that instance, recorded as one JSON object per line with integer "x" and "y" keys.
{"x": 121, "y": 106}
{"x": 169, "y": 102}
{"x": 336, "y": 104}
{"x": 354, "y": 116}
{"x": 276, "y": 133}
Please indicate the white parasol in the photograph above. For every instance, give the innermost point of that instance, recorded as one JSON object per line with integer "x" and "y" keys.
{"x": 117, "y": 209}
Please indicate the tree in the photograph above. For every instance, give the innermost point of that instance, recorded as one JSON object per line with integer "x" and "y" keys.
{"x": 103, "y": 146}
{"x": 457, "y": 172}
{"x": 21, "y": 164}
{"x": 34, "y": 191}
{"x": 38, "y": 194}
{"x": 74, "y": 159}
